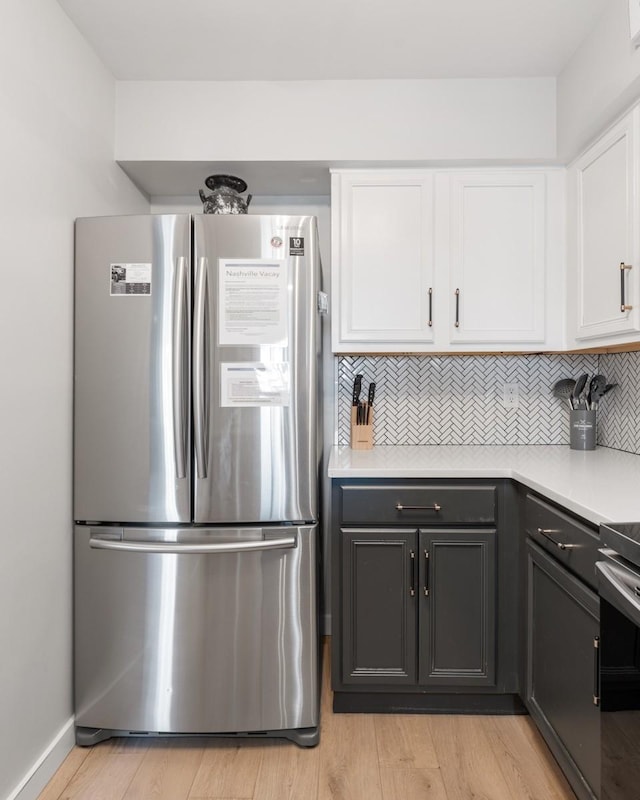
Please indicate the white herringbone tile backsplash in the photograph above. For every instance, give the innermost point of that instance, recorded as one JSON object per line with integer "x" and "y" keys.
{"x": 458, "y": 399}
{"x": 619, "y": 415}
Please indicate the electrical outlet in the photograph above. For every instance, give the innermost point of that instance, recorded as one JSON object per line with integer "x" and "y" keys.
{"x": 511, "y": 395}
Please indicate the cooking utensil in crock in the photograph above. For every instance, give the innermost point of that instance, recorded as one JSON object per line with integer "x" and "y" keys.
{"x": 564, "y": 390}
{"x": 597, "y": 386}
{"x": 579, "y": 400}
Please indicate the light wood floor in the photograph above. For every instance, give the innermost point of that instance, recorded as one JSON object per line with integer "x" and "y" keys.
{"x": 360, "y": 757}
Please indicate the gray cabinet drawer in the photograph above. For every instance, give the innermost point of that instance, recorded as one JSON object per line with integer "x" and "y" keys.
{"x": 427, "y": 504}
{"x": 570, "y": 541}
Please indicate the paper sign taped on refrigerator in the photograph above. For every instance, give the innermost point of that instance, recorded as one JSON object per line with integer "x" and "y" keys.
{"x": 255, "y": 384}
{"x": 252, "y": 302}
{"x": 130, "y": 279}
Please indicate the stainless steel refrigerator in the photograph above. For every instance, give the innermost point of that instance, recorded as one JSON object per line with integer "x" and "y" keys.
{"x": 196, "y": 471}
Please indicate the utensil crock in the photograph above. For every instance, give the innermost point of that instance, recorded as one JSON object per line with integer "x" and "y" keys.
{"x": 582, "y": 430}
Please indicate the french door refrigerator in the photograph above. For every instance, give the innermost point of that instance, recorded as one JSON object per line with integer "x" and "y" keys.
{"x": 196, "y": 466}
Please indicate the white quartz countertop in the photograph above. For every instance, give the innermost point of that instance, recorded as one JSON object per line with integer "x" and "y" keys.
{"x": 601, "y": 485}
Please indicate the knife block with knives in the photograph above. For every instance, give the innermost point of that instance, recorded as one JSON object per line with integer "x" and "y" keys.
{"x": 362, "y": 416}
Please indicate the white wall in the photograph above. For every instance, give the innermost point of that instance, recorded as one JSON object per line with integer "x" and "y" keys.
{"x": 56, "y": 155}
{"x": 600, "y": 81}
{"x": 336, "y": 120}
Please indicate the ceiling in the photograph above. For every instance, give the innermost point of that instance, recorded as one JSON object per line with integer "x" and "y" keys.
{"x": 333, "y": 39}
{"x": 327, "y": 39}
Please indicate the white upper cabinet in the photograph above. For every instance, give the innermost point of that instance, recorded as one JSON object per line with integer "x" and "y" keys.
{"x": 603, "y": 238}
{"x": 447, "y": 260}
{"x": 496, "y": 253}
{"x": 382, "y": 257}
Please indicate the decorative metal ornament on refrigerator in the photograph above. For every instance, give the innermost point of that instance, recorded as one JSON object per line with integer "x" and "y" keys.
{"x": 225, "y": 195}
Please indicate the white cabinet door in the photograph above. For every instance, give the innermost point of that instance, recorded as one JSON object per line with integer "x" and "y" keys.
{"x": 604, "y": 293}
{"x": 382, "y": 260}
{"x": 497, "y": 257}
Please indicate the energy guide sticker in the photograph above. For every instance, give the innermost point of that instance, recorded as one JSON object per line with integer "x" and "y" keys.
{"x": 130, "y": 279}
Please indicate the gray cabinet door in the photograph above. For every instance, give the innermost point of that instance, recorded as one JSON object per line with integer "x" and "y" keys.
{"x": 379, "y": 588}
{"x": 457, "y": 590}
{"x": 562, "y": 624}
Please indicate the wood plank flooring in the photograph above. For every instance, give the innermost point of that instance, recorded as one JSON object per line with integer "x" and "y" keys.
{"x": 360, "y": 757}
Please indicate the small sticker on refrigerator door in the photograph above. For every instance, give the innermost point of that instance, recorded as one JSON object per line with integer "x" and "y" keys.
{"x": 296, "y": 245}
{"x": 130, "y": 279}
{"x": 254, "y": 384}
{"x": 252, "y": 302}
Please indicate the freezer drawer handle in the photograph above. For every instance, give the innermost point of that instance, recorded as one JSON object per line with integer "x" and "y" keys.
{"x": 285, "y": 543}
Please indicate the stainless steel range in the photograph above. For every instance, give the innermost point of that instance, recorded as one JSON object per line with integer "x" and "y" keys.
{"x": 618, "y": 574}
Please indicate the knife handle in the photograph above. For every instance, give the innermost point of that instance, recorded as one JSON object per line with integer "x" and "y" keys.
{"x": 372, "y": 393}
{"x": 357, "y": 388}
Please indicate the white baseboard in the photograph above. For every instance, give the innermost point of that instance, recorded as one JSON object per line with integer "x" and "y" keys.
{"x": 41, "y": 772}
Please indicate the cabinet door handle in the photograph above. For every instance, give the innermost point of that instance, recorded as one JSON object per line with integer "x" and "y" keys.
{"x": 546, "y": 532}
{"x": 412, "y": 588}
{"x": 596, "y": 670}
{"x": 457, "y": 322}
{"x": 426, "y": 573}
{"x": 434, "y": 507}
{"x": 623, "y": 303}
{"x": 430, "y": 307}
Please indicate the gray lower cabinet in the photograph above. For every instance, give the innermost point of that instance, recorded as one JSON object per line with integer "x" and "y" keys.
{"x": 562, "y": 624}
{"x": 469, "y": 596}
{"x": 416, "y": 581}
{"x": 418, "y": 607}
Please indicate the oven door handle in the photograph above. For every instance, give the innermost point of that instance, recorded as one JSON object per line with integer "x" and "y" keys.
{"x": 621, "y": 588}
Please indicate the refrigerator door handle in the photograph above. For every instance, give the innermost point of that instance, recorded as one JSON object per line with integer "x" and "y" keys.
{"x": 284, "y": 543}
{"x": 178, "y": 343}
{"x": 199, "y": 366}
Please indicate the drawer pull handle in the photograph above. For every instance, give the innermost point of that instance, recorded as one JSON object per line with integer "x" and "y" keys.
{"x": 546, "y": 532}
{"x": 434, "y": 507}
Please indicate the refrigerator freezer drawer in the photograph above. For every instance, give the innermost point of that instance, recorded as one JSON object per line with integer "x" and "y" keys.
{"x": 190, "y": 630}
